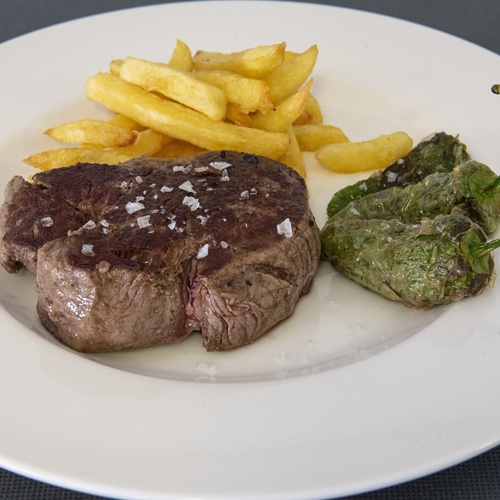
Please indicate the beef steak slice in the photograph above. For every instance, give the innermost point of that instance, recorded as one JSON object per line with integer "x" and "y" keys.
{"x": 146, "y": 252}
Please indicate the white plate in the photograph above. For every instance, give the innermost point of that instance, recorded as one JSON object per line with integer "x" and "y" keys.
{"x": 350, "y": 394}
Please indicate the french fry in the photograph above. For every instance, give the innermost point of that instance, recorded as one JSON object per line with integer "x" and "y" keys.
{"x": 253, "y": 63}
{"x": 314, "y": 136}
{"x": 177, "y": 85}
{"x": 237, "y": 116}
{"x": 291, "y": 75}
{"x": 374, "y": 154}
{"x": 283, "y": 115}
{"x": 177, "y": 149}
{"x": 177, "y": 121}
{"x": 293, "y": 157}
{"x": 312, "y": 113}
{"x": 148, "y": 143}
{"x": 65, "y": 157}
{"x": 125, "y": 121}
{"x": 114, "y": 66}
{"x": 99, "y": 132}
{"x": 181, "y": 57}
{"x": 250, "y": 94}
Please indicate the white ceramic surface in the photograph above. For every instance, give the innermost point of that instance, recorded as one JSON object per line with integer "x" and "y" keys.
{"x": 350, "y": 394}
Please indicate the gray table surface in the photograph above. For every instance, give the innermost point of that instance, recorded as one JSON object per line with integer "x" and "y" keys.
{"x": 477, "y": 22}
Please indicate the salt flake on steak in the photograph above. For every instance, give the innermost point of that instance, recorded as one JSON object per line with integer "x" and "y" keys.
{"x": 132, "y": 207}
{"x": 202, "y": 252}
{"x": 88, "y": 250}
{"x": 220, "y": 165}
{"x": 285, "y": 228}
{"x": 46, "y": 222}
{"x": 187, "y": 186}
{"x": 182, "y": 168}
{"x": 192, "y": 203}
{"x": 224, "y": 176}
{"x": 89, "y": 225}
{"x": 143, "y": 221}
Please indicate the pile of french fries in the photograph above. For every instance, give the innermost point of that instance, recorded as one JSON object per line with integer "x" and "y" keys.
{"x": 256, "y": 100}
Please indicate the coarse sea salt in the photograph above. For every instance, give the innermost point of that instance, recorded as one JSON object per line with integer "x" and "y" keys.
{"x": 88, "y": 250}
{"x": 143, "y": 221}
{"x": 181, "y": 168}
{"x": 192, "y": 203}
{"x": 46, "y": 222}
{"x": 392, "y": 176}
{"x": 220, "y": 165}
{"x": 285, "y": 228}
{"x": 187, "y": 186}
{"x": 166, "y": 189}
{"x": 132, "y": 207}
{"x": 202, "y": 252}
{"x": 89, "y": 225}
{"x": 202, "y": 219}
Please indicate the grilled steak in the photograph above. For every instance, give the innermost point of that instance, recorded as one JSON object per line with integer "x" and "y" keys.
{"x": 146, "y": 252}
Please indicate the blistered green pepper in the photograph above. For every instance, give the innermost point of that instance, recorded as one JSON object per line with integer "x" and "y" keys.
{"x": 433, "y": 262}
{"x": 440, "y": 153}
{"x": 471, "y": 188}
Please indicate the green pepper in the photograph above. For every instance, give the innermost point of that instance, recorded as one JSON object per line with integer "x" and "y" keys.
{"x": 436, "y": 261}
{"x": 471, "y": 188}
{"x": 440, "y": 153}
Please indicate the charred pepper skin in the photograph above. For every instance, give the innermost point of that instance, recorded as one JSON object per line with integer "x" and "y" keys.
{"x": 470, "y": 188}
{"x": 440, "y": 153}
{"x": 434, "y": 262}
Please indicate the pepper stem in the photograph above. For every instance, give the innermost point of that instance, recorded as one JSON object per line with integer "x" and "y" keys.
{"x": 484, "y": 248}
{"x": 495, "y": 184}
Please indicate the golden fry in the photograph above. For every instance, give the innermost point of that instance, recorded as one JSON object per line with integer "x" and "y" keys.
{"x": 312, "y": 113}
{"x": 250, "y": 94}
{"x": 313, "y": 136}
{"x": 253, "y": 63}
{"x": 374, "y": 154}
{"x": 148, "y": 143}
{"x": 125, "y": 121}
{"x": 177, "y": 85}
{"x": 293, "y": 157}
{"x": 237, "y": 116}
{"x": 65, "y": 157}
{"x": 175, "y": 120}
{"x": 181, "y": 57}
{"x": 99, "y": 132}
{"x": 115, "y": 66}
{"x": 291, "y": 75}
{"x": 283, "y": 115}
{"x": 177, "y": 149}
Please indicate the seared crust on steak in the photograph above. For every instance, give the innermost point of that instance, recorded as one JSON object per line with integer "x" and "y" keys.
{"x": 146, "y": 252}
